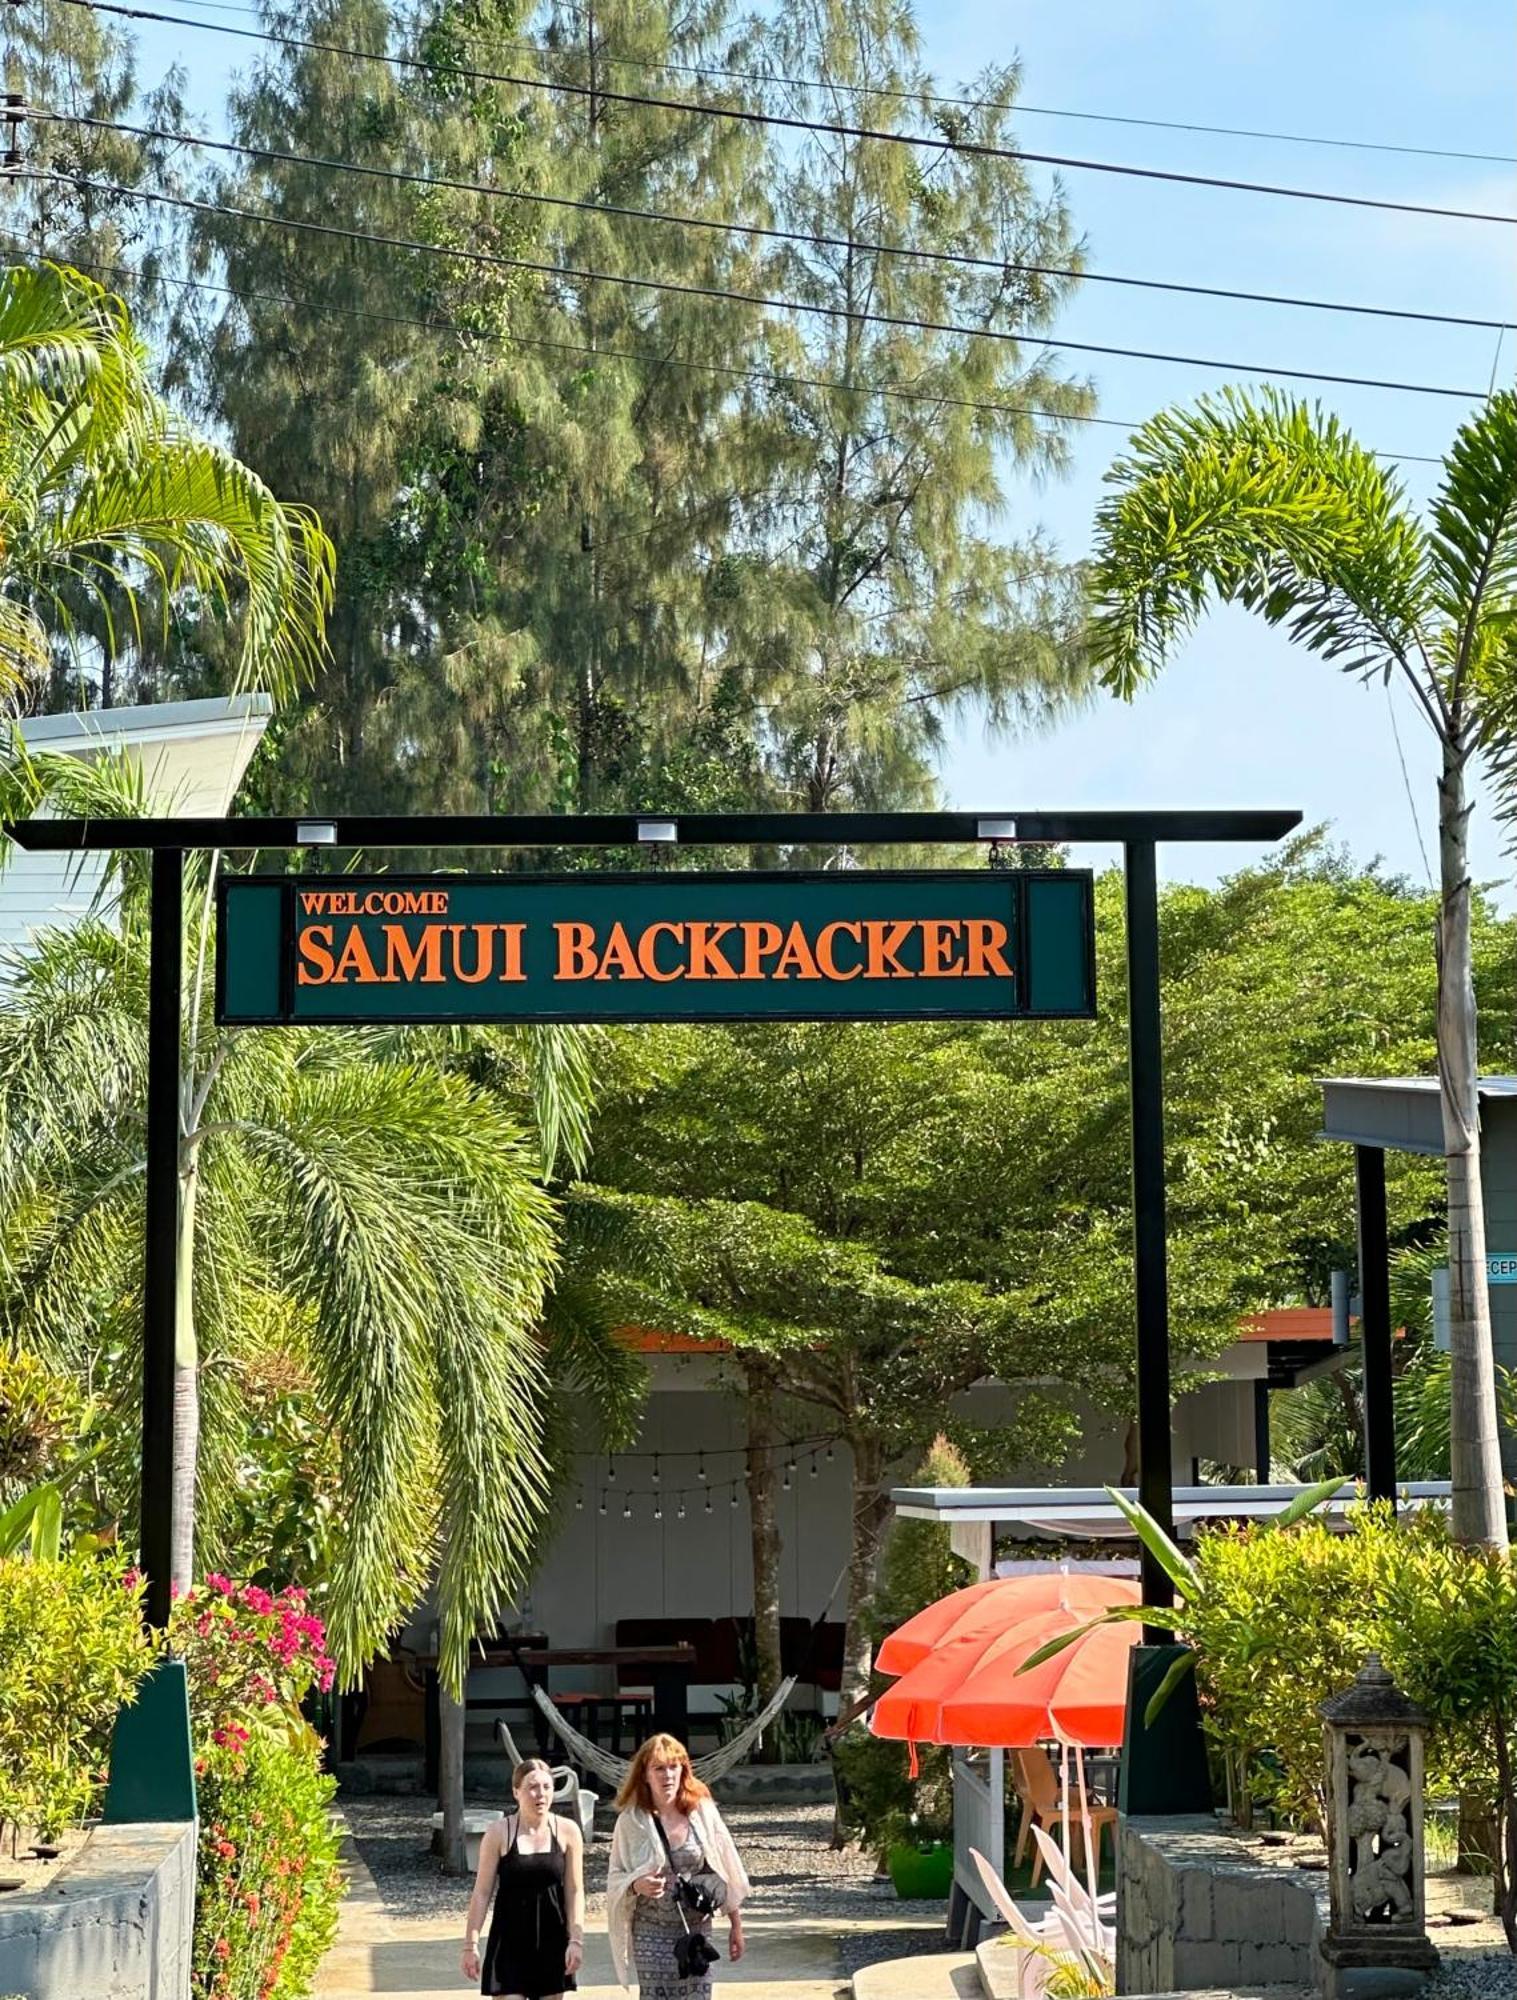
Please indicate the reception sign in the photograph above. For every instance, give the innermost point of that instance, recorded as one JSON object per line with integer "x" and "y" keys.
{"x": 656, "y": 946}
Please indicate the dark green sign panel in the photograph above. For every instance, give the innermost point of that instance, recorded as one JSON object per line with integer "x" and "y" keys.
{"x": 657, "y": 946}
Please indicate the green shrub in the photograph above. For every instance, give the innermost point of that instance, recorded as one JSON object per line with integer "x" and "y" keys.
{"x": 72, "y": 1650}
{"x": 269, "y": 1885}
{"x": 40, "y": 1412}
{"x": 269, "y": 1881}
{"x": 1280, "y": 1621}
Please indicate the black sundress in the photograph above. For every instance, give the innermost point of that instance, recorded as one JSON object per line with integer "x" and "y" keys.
{"x": 529, "y": 1932}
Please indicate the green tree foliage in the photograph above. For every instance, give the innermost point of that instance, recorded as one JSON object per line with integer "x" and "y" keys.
{"x": 887, "y": 1794}
{"x": 1271, "y": 504}
{"x": 877, "y": 589}
{"x": 82, "y": 66}
{"x": 112, "y": 509}
{"x": 891, "y": 1213}
{"x": 371, "y": 1228}
{"x": 585, "y": 559}
{"x": 323, "y": 400}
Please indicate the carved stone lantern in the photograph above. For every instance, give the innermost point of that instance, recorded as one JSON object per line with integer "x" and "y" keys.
{"x": 1374, "y": 1738}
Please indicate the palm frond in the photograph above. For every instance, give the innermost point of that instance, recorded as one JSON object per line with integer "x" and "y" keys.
{"x": 1265, "y": 502}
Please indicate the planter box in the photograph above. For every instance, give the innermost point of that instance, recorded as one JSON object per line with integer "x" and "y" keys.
{"x": 922, "y": 1873}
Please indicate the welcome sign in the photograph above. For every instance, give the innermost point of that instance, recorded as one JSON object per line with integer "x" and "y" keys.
{"x": 657, "y": 946}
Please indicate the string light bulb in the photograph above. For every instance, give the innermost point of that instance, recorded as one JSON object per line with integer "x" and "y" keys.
{"x": 708, "y": 1503}
{"x": 658, "y": 1510}
{"x": 680, "y": 1510}
{"x": 627, "y": 1508}
{"x": 700, "y": 1468}
{"x": 655, "y": 1468}
{"x": 610, "y": 1471}
{"x": 734, "y": 1496}
{"x": 811, "y": 1468}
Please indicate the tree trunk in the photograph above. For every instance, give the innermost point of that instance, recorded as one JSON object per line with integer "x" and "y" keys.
{"x": 1506, "y": 1844}
{"x": 186, "y": 1391}
{"x": 871, "y": 1513}
{"x": 1479, "y": 1508}
{"x": 765, "y": 1529}
{"x": 450, "y": 1780}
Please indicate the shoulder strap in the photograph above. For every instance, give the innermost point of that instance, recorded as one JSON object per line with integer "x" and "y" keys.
{"x": 669, "y": 1852}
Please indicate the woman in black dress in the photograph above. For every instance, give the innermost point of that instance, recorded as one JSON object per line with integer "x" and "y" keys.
{"x": 534, "y": 1864}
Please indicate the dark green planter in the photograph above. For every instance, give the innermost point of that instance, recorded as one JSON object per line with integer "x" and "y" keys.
{"x": 921, "y": 1873}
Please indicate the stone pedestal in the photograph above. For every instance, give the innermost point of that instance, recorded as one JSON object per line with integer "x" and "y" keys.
{"x": 1377, "y": 1946}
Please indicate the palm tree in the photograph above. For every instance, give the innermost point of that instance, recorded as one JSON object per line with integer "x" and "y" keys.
{"x": 1271, "y": 504}
{"x": 110, "y": 503}
{"x": 372, "y": 1221}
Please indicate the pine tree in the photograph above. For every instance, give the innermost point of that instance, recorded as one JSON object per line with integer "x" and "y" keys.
{"x": 878, "y": 593}
{"x": 76, "y": 66}
{"x": 307, "y": 369}
{"x": 577, "y": 664}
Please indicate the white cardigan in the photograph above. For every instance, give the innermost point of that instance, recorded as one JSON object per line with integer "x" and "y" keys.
{"x": 636, "y": 1851}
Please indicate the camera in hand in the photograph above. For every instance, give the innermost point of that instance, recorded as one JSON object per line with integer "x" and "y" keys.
{"x": 693, "y": 1953}
{"x": 700, "y": 1895}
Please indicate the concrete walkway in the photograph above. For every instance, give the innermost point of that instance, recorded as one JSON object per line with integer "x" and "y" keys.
{"x": 378, "y": 1953}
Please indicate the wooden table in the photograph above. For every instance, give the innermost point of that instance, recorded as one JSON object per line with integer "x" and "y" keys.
{"x": 496, "y": 1654}
{"x": 668, "y": 1674}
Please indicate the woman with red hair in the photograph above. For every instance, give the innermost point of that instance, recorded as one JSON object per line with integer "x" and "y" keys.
{"x": 673, "y": 1866}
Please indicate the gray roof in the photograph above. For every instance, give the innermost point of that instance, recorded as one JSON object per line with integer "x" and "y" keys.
{"x": 1401, "y": 1113}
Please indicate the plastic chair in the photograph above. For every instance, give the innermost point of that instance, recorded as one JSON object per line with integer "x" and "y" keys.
{"x": 1037, "y": 1787}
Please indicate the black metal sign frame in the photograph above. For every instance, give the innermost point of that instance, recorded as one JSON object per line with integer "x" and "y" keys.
{"x": 168, "y": 840}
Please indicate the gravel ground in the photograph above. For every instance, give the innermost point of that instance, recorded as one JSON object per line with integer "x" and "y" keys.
{"x": 795, "y": 1874}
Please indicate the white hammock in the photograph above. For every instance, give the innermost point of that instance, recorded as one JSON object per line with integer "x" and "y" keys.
{"x": 614, "y": 1769}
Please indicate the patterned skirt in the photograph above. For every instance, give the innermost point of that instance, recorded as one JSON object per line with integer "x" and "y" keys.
{"x": 656, "y": 1928}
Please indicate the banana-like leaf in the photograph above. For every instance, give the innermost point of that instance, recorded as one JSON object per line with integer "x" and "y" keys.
{"x": 1178, "y": 1669}
{"x": 1175, "y": 1565}
{"x": 1306, "y": 1503}
{"x": 1115, "y": 1614}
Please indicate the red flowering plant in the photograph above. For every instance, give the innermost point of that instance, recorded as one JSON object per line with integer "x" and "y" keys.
{"x": 251, "y": 1658}
{"x": 269, "y": 1882}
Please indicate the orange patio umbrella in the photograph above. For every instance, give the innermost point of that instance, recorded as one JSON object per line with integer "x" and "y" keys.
{"x": 986, "y": 1621}
{"x": 994, "y": 1606}
{"x": 1078, "y": 1696}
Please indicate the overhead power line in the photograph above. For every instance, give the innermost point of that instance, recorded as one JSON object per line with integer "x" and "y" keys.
{"x": 856, "y": 315}
{"x": 939, "y": 143}
{"x": 1018, "y": 108}
{"x": 681, "y": 363}
{"x": 956, "y": 258}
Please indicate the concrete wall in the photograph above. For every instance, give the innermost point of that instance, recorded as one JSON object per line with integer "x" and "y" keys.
{"x": 114, "y": 1924}
{"x": 1197, "y": 1910}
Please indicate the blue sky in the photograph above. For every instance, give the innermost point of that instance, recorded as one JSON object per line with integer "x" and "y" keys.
{"x": 1240, "y": 718}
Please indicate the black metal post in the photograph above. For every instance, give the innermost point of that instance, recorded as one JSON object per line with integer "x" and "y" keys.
{"x": 1375, "y": 1324}
{"x": 1261, "y": 1432}
{"x": 161, "y": 1286}
{"x": 1145, "y": 1055}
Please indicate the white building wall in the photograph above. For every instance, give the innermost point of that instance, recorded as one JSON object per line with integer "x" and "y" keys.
{"x": 606, "y": 1566}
